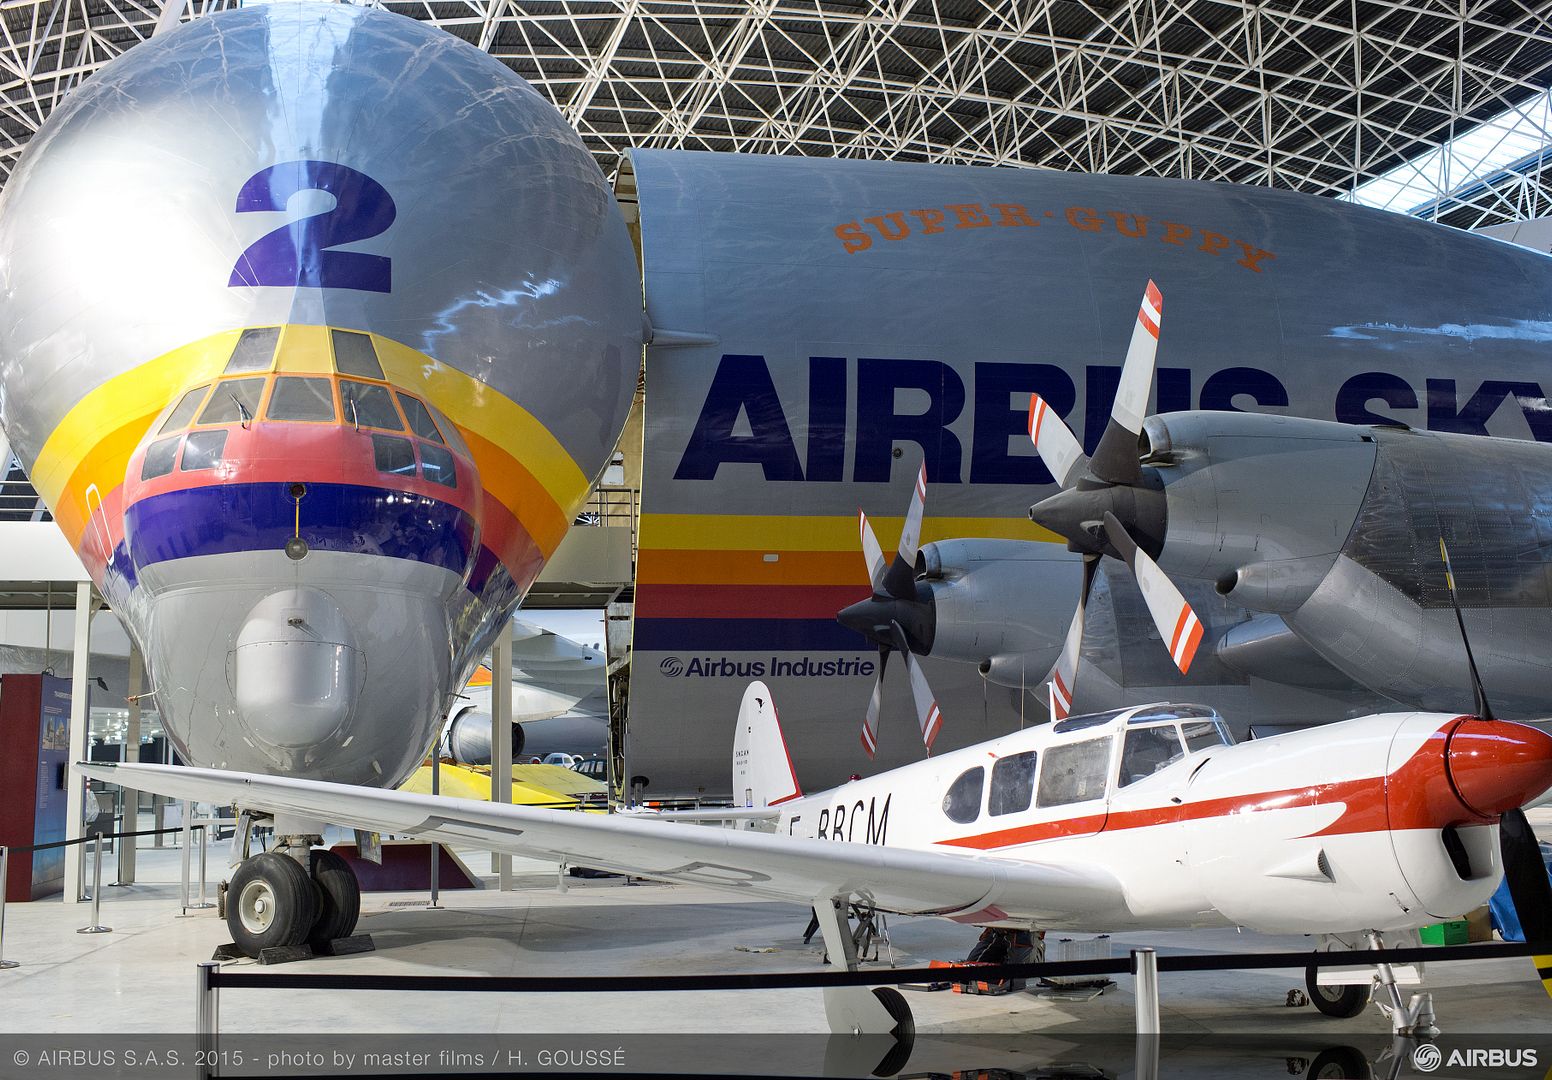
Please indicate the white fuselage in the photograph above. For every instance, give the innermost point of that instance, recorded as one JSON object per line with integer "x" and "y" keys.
{"x": 1321, "y": 831}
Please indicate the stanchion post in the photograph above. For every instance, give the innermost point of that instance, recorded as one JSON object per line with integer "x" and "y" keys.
{"x": 5, "y": 874}
{"x": 436, "y": 848}
{"x": 188, "y": 842}
{"x": 1145, "y": 966}
{"x": 204, "y": 846}
{"x": 96, "y": 927}
{"x": 207, "y": 1015}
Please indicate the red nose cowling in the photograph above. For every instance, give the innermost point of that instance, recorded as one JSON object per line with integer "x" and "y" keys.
{"x": 1497, "y": 766}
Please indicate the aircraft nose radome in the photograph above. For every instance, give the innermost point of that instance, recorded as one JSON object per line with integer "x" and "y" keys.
{"x": 297, "y": 672}
{"x": 1498, "y": 766}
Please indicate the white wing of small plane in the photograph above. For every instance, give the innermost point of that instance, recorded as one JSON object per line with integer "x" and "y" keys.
{"x": 761, "y": 864}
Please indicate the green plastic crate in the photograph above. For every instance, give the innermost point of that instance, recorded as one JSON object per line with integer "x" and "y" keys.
{"x": 1451, "y": 932}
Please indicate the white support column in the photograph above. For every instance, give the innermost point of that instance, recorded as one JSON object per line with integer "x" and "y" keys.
{"x": 126, "y": 845}
{"x": 501, "y": 740}
{"x": 80, "y": 724}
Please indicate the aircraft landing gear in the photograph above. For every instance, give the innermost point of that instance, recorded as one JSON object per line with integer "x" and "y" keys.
{"x": 293, "y": 896}
{"x": 858, "y": 1010}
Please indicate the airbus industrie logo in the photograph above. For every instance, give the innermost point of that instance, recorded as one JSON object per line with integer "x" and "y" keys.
{"x": 1428, "y": 1057}
{"x": 801, "y": 667}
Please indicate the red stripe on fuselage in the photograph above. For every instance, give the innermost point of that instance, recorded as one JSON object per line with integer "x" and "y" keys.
{"x": 1421, "y": 797}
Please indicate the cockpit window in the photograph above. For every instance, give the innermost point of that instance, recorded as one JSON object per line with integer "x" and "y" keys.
{"x": 437, "y": 465}
{"x": 234, "y": 400}
{"x": 255, "y": 351}
{"x": 454, "y": 439}
{"x": 180, "y": 416}
{"x": 159, "y": 458}
{"x": 393, "y": 455}
{"x": 1088, "y": 720}
{"x": 1013, "y": 784}
{"x": 203, "y": 449}
{"x": 1147, "y": 750}
{"x": 301, "y": 399}
{"x": 963, "y": 801}
{"x": 1205, "y": 735}
{"x": 366, "y": 405}
{"x": 420, "y": 420}
{"x": 354, "y": 354}
{"x": 1074, "y": 772}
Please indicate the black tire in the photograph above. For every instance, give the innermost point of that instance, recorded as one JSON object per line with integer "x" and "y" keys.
{"x": 339, "y": 899}
{"x": 1342, "y": 1002}
{"x": 270, "y": 903}
{"x": 904, "y": 1031}
{"x": 1340, "y": 1063}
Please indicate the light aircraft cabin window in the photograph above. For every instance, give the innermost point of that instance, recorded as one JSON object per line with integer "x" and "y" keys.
{"x": 366, "y": 405}
{"x": 354, "y": 355}
{"x": 301, "y": 399}
{"x": 1147, "y": 750}
{"x": 255, "y": 351}
{"x": 1074, "y": 772}
{"x": 1078, "y": 723}
{"x": 233, "y": 401}
{"x": 963, "y": 801}
{"x": 179, "y": 418}
{"x": 437, "y": 465}
{"x": 420, "y": 420}
{"x": 393, "y": 455}
{"x": 159, "y": 458}
{"x": 1013, "y": 784}
{"x": 1203, "y": 735}
{"x": 203, "y": 449}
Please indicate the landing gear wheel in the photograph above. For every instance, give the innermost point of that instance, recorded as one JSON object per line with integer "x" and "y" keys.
{"x": 339, "y": 898}
{"x": 894, "y": 1004}
{"x": 904, "y": 1031}
{"x": 1342, "y": 1002}
{"x": 270, "y": 903}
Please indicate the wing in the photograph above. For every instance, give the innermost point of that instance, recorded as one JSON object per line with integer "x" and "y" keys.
{"x": 753, "y": 863}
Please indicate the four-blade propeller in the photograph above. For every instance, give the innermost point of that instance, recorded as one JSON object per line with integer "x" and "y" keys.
{"x": 1109, "y": 506}
{"x": 897, "y": 617}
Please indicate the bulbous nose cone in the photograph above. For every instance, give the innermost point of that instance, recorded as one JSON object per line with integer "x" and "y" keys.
{"x": 1498, "y": 766}
{"x": 296, "y": 671}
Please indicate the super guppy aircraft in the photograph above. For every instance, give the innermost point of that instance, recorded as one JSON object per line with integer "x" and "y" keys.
{"x": 317, "y": 326}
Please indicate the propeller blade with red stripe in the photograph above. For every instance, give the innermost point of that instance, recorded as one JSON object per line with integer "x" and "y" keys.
{"x": 872, "y": 554}
{"x": 1054, "y": 441}
{"x": 1063, "y": 678}
{"x": 928, "y": 717}
{"x": 1115, "y": 458}
{"x": 875, "y": 703}
{"x": 1177, "y": 623}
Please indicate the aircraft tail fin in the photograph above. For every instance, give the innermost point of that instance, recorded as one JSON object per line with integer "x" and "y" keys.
{"x": 762, "y": 767}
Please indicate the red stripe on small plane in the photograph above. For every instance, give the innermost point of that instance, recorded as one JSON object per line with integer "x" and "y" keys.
{"x": 1420, "y": 798}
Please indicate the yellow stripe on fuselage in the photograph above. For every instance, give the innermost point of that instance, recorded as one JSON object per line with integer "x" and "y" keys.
{"x": 750, "y": 532}
{"x": 521, "y": 464}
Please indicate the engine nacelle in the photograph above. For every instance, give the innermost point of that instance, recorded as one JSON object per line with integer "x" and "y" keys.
{"x": 1003, "y": 604}
{"x": 466, "y": 738}
{"x": 1260, "y": 505}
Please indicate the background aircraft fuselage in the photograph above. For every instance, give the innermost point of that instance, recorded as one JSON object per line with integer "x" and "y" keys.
{"x": 317, "y": 325}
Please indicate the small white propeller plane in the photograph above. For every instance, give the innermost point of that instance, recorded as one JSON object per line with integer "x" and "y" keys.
{"x": 1147, "y": 818}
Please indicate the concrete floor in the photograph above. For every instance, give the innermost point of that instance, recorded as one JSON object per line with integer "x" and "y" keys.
{"x": 140, "y": 977}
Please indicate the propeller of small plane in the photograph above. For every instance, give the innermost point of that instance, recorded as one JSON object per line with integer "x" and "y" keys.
{"x": 1109, "y": 506}
{"x": 1524, "y": 868}
{"x": 898, "y": 617}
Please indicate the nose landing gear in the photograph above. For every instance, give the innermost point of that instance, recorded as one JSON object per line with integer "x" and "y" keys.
{"x": 294, "y": 902}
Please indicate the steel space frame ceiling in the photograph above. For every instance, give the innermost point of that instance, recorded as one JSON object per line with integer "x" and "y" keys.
{"x": 1313, "y": 95}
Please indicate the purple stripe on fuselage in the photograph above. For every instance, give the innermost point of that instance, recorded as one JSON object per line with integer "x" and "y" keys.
{"x": 220, "y": 519}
